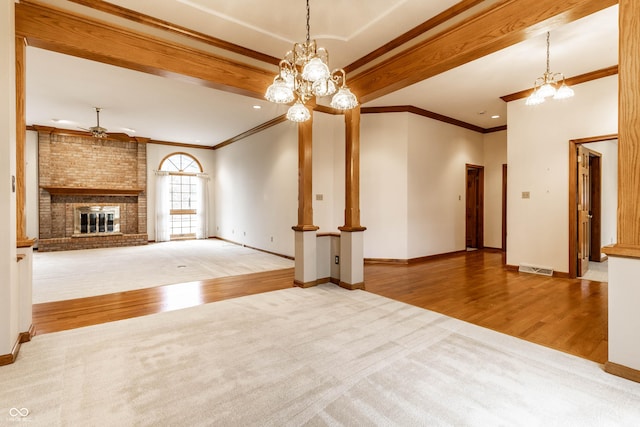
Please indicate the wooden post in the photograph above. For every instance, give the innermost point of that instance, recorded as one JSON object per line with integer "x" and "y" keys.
{"x": 305, "y": 232}
{"x": 21, "y": 138}
{"x": 624, "y": 256}
{"x": 351, "y": 243}
{"x": 352, "y": 169}
{"x": 305, "y": 177}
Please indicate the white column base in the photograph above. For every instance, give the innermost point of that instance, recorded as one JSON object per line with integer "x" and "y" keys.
{"x": 25, "y": 298}
{"x": 352, "y": 259}
{"x": 306, "y": 259}
{"x": 624, "y": 312}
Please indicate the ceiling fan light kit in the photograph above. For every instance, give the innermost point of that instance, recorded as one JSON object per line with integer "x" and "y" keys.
{"x": 549, "y": 85}
{"x": 304, "y": 74}
{"x": 97, "y": 131}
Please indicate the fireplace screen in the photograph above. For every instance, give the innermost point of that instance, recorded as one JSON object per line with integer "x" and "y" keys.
{"x": 96, "y": 220}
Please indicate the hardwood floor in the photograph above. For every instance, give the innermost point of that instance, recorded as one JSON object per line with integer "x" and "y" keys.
{"x": 569, "y": 315}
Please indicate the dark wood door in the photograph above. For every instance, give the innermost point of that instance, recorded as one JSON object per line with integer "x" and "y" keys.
{"x": 595, "y": 197}
{"x": 474, "y": 207}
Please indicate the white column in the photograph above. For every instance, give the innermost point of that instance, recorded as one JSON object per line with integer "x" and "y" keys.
{"x": 9, "y": 304}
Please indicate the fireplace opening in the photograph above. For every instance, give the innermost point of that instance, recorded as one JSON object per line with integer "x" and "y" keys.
{"x": 96, "y": 220}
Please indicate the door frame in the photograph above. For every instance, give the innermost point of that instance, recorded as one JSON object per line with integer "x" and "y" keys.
{"x": 573, "y": 198}
{"x": 480, "y": 204}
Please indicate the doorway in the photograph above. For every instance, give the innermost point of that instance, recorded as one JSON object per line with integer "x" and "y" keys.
{"x": 474, "y": 207}
{"x": 592, "y": 210}
{"x": 588, "y": 209}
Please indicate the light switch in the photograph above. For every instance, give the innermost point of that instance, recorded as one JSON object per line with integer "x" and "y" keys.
{"x": 525, "y": 195}
{"x": 319, "y": 197}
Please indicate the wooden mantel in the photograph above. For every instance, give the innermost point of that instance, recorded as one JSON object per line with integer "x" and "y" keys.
{"x": 81, "y": 191}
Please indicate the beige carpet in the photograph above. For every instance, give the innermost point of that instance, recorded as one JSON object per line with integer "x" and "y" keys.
{"x": 322, "y": 356}
{"x": 77, "y": 274}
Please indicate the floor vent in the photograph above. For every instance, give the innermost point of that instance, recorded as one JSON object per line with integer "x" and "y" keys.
{"x": 536, "y": 270}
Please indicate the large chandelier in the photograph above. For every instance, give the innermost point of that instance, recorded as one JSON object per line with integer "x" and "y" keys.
{"x": 304, "y": 73}
{"x": 549, "y": 85}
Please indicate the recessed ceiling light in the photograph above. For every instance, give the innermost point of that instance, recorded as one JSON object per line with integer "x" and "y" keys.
{"x": 62, "y": 121}
{"x": 256, "y": 107}
{"x": 495, "y": 116}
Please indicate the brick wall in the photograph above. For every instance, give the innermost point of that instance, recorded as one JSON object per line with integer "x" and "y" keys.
{"x": 76, "y": 162}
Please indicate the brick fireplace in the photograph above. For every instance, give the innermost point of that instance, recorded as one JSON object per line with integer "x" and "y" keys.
{"x": 92, "y": 191}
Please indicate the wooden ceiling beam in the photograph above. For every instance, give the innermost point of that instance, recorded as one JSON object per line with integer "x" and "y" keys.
{"x": 489, "y": 31}
{"x": 54, "y": 29}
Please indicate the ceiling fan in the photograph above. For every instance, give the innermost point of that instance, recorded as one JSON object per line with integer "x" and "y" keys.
{"x": 99, "y": 132}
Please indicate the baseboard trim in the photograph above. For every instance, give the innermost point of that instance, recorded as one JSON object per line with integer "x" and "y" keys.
{"x": 7, "y": 359}
{"x": 26, "y": 336}
{"x": 385, "y": 261}
{"x": 255, "y": 249}
{"x": 351, "y": 286}
{"x": 493, "y": 250}
{"x": 413, "y": 260}
{"x": 305, "y": 285}
{"x": 622, "y": 371}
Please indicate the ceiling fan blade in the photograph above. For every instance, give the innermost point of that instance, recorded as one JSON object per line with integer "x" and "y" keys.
{"x": 119, "y": 136}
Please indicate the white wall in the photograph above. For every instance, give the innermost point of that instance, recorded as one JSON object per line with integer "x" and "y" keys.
{"x": 495, "y": 155}
{"x": 438, "y": 155}
{"x": 609, "y": 151}
{"x": 256, "y": 189}
{"x": 9, "y": 293}
{"x": 384, "y": 184}
{"x": 538, "y": 157}
{"x": 155, "y": 154}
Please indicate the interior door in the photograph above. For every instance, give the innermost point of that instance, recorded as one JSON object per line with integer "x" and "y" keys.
{"x": 472, "y": 202}
{"x": 475, "y": 207}
{"x": 595, "y": 198}
{"x": 584, "y": 208}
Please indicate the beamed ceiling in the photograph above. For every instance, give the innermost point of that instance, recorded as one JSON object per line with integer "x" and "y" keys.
{"x": 191, "y": 71}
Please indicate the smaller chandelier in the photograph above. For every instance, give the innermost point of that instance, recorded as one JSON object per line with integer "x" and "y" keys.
{"x": 549, "y": 85}
{"x": 303, "y": 74}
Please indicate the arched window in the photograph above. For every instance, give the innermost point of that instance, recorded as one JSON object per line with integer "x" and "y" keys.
{"x": 186, "y": 205}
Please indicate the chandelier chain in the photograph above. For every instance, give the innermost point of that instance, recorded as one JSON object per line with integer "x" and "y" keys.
{"x": 548, "y": 44}
{"x": 308, "y": 26}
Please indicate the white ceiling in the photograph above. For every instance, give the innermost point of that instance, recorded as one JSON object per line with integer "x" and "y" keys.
{"x": 65, "y": 87}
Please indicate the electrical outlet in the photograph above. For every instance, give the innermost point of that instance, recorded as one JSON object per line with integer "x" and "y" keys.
{"x": 337, "y": 261}
{"x": 272, "y": 238}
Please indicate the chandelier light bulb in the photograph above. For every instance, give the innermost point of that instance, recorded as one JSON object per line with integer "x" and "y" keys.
{"x": 324, "y": 87}
{"x": 546, "y": 90}
{"x": 298, "y": 112}
{"x": 534, "y": 98}
{"x": 564, "y": 92}
{"x": 279, "y": 92}
{"x": 344, "y": 99}
{"x": 315, "y": 69}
